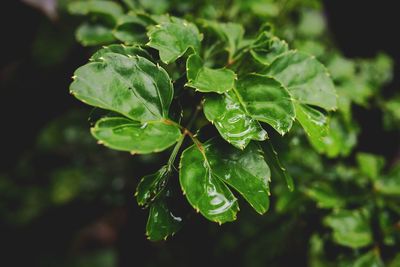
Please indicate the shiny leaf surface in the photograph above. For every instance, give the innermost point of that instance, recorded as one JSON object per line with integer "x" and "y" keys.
{"x": 232, "y": 121}
{"x": 150, "y": 186}
{"x": 205, "y": 79}
{"x": 131, "y": 86}
{"x": 161, "y": 222}
{"x": 266, "y": 100}
{"x": 136, "y": 137}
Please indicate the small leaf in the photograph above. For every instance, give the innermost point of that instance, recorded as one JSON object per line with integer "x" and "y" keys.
{"x": 173, "y": 38}
{"x": 314, "y": 123}
{"x": 131, "y": 86}
{"x": 231, "y": 120}
{"x": 129, "y": 51}
{"x": 351, "y": 228}
{"x": 305, "y": 78}
{"x": 205, "y": 170}
{"x": 266, "y": 48}
{"x": 370, "y": 165}
{"x": 108, "y": 9}
{"x": 207, "y": 80}
{"x": 142, "y": 138}
{"x": 389, "y": 184}
{"x": 151, "y": 186}
{"x": 161, "y": 222}
{"x": 266, "y": 100}
{"x": 369, "y": 259}
{"x": 324, "y": 195}
{"x": 89, "y": 34}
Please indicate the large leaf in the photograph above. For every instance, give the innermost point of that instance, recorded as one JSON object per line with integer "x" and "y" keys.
{"x": 131, "y": 86}
{"x": 231, "y": 120}
{"x": 206, "y": 79}
{"x": 266, "y": 100}
{"x": 173, "y": 38}
{"x": 306, "y": 79}
{"x": 266, "y": 48}
{"x": 161, "y": 222}
{"x": 151, "y": 186}
{"x": 136, "y": 137}
{"x": 350, "y": 228}
{"x": 205, "y": 169}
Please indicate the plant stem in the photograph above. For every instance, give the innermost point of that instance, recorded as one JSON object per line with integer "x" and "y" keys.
{"x": 172, "y": 158}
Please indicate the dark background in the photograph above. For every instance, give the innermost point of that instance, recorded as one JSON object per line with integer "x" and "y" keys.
{"x": 40, "y": 94}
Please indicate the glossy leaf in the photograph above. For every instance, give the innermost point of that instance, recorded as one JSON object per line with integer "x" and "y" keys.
{"x": 151, "y": 186}
{"x": 161, "y": 222}
{"x": 306, "y": 79}
{"x": 314, "y": 123}
{"x": 232, "y": 121}
{"x": 266, "y": 48}
{"x": 136, "y": 137}
{"x": 350, "y": 228}
{"x": 131, "y": 86}
{"x": 89, "y": 34}
{"x": 204, "y": 172}
{"x": 129, "y": 51}
{"x": 266, "y": 100}
{"x": 173, "y": 38}
{"x": 205, "y": 79}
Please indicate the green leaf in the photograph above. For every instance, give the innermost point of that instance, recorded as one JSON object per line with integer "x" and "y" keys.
{"x": 161, "y": 222}
{"x": 204, "y": 170}
{"x": 89, "y": 34}
{"x": 370, "y": 165}
{"x": 276, "y": 165}
{"x": 151, "y": 186}
{"x": 206, "y": 80}
{"x": 231, "y": 120}
{"x": 230, "y": 33}
{"x": 305, "y": 78}
{"x": 129, "y": 51}
{"x": 136, "y": 137}
{"x": 389, "y": 184}
{"x": 131, "y": 86}
{"x": 369, "y": 259}
{"x": 266, "y": 100}
{"x": 266, "y": 48}
{"x": 324, "y": 195}
{"x": 173, "y": 38}
{"x": 314, "y": 123}
{"x": 351, "y": 228}
{"x": 108, "y": 9}
{"x": 131, "y": 29}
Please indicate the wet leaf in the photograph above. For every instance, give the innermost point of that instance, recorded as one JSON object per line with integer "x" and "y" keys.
{"x": 161, "y": 222}
{"x": 204, "y": 172}
{"x": 205, "y": 79}
{"x": 266, "y": 100}
{"x": 150, "y": 186}
{"x": 232, "y": 121}
{"x": 173, "y": 38}
{"x": 266, "y": 48}
{"x": 131, "y": 86}
{"x": 135, "y": 137}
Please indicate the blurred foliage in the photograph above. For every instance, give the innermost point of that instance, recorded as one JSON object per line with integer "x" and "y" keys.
{"x": 345, "y": 210}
